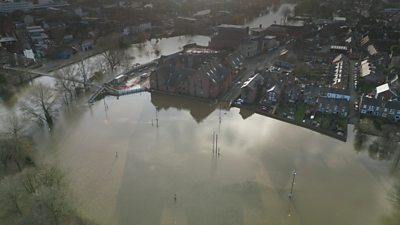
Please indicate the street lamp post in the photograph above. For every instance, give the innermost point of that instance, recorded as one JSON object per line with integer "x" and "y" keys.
{"x": 291, "y": 189}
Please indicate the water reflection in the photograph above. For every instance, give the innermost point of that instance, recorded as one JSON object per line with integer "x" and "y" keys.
{"x": 384, "y": 148}
{"x": 198, "y": 110}
{"x": 248, "y": 184}
{"x": 245, "y": 113}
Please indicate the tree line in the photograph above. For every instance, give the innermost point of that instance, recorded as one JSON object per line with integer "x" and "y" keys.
{"x": 31, "y": 194}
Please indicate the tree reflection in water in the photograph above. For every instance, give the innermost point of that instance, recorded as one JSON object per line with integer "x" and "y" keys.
{"x": 384, "y": 148}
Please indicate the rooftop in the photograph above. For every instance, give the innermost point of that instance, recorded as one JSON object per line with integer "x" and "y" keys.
{"x": 199, "y": 50}
{"x": 372, "y": 50}
{"x": 231, "y": 26}
{"x": 382, "y": 88}
{"x": 252, "y": 81}
{"x": 202, "y": 12}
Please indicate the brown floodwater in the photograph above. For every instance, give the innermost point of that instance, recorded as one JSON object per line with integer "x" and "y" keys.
{"x": 248, "y": 183}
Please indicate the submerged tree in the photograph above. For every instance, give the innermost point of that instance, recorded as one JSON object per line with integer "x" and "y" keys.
{"x": 41, "y": 105}
{"x": 11, "y": 199}
{"x": 38, "y": 195}
{"x": 13, "y": 145}
{"x": 114, "y": 55}
{"x": 67, "y": 83}
{"x": 13, "y": 125}
{"x": 360, "y": 140}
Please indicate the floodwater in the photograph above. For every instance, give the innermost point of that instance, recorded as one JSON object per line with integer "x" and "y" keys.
{"x": 273, "y": 15}
{"x": 144, "y": 52}
{"x": 125, "y": 168}
{"x": 139, "y": 53}
{"x": 248, "y": 183}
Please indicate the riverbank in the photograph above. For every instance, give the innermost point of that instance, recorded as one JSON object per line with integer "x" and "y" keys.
{"x": 294, "y": 122}
{"x": 260, "y": 112}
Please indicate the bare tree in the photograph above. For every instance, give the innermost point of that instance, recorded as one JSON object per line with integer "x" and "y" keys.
{"x": 41, "y": 105}
{"x": 286, "y": 11}
{"x": 14, "y": 125}
{"x": 68, "y": 82}
{"x": 114, "y": 58}
{"x": 11, "y": 203}
{"x": 5, "y": 152}
{"x": 51, "y": 205}
{"x": 114, "y": 55}
{"x": 14, "y": 146}
{"x": 34, "y": 178}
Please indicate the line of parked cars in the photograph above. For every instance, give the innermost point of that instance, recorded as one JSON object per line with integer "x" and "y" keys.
{"x": 355, "y": 74}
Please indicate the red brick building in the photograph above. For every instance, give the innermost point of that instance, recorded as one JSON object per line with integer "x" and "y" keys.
{"x": 196, "y": 71}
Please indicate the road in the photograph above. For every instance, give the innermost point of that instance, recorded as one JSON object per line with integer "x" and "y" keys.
{"x": 261, "y": 61}
{"x": 353, "y": 114}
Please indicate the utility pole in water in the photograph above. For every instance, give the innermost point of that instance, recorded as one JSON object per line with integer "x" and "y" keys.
{"x": 291, "y": 189}
{"x": 216, "y": 143}
{"x": 156, "y": 119}
{"x": 220, "y": 114}
{"x": 213, "y": 142}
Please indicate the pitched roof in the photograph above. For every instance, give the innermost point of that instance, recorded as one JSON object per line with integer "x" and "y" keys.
{"x": 253, "y": 81}
{"x": 274, "y": 88}
{"x": 364, "y": 40}
{"x": 393, "y": 105}
{"x": 365, "y": 100}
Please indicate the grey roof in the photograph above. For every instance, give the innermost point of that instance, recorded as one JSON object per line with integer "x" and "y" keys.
{"x": 332, "y": 101}
{"x": 370, "y": 101}
{"x": 393, "y": 105}
{"x": 253, "y": 81}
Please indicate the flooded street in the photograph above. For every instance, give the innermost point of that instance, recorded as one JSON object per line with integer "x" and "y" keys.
{"x": 248, "y": 184}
